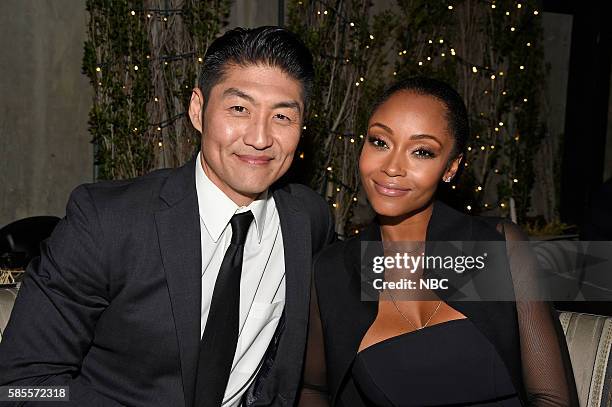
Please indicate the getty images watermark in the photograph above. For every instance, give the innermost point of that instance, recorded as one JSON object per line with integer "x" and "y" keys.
{"x": 487, "y": 271}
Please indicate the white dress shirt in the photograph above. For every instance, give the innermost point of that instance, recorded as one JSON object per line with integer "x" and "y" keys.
{"x": 262, "y": 283}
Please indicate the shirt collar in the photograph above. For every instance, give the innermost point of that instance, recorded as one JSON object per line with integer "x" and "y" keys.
{"x": 216, "y": 209}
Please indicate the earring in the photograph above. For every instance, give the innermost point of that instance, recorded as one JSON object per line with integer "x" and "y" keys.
{"x": 447, "y": 179}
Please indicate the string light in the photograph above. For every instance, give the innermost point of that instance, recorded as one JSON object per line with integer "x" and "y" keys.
{"x": 302, "y": 156}
{"x": 474, "y": 69}
{"x": 329, "y": 168}
{"x": 469, "y": 208}
{"x": 535, "y": 12}
{"x": 450, "y": 7}
{"x": 493, "y": 6}
{"x": 133, "y": 12}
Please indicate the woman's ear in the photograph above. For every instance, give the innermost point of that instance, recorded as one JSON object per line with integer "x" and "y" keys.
{"x": 451, "y": 168}
{"x": 195, "y": 108}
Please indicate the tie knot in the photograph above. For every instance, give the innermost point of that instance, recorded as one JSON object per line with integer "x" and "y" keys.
{"x": 240, "y": 226}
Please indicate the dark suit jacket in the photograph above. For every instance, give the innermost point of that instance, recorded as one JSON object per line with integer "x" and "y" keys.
{"x": 112, "y": 306}
{"x": 340, "y": 286}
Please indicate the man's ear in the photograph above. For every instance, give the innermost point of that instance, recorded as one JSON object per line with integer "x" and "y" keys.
{"x": 452, "y": 168}
{"x": 195, "y": 108}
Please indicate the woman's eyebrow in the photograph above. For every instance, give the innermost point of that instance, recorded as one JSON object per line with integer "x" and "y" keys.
{"x": 382, "y": 126}
{"x": 425, "y": 136}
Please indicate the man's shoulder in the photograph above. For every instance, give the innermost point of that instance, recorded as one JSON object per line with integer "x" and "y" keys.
{"x": 128, "y": 194}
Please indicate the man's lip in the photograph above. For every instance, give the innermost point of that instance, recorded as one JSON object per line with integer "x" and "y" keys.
{"x": 390, "y": 189}
{"x": 254, "y": 159}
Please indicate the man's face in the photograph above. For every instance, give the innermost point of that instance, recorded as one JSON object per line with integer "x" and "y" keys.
{"x": 250, "y": 129}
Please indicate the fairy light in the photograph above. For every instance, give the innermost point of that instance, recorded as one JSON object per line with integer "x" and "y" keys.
{"x": 420, "y": 63}
{"x": 450, "y": 7}
{"x": 329, "y": 168}
{"x": 522, "y": 67}
{"x": 335, "y": 205}
{"x": 133, "y": 12}
{"x": 352, "y": 24}
{"x": 515, "y": 180}
{"x": 519, "y": 5}
{"x": 493, "y": 6}
{"x": 492, "y": 77}
{"x": 371, "y": 37}
{"x": 512, "y": 29}
{"x": 536, "y": 12}
{"x": 135, "y": 67}
{"x": 474, "y": 69}
{"x": 469, "y": 208}
{"x": 98, "y": 69}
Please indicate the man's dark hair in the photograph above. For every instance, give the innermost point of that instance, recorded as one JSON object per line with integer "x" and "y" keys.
{"x": 268, "y": 46}
{"x": 456, "y": 112}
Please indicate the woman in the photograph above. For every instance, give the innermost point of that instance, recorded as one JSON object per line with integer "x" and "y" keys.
{"x": 393, "y": 352}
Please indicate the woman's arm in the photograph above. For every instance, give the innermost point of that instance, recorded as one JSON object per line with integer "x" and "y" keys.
{"x": 547, "y": 370}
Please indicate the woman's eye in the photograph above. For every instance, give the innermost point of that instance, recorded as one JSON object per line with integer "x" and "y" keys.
{"x": 376, "y": 142}
{"x": 424, "y": 153}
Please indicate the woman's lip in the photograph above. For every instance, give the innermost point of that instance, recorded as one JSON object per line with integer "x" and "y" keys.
{"x": 389, "y": 190}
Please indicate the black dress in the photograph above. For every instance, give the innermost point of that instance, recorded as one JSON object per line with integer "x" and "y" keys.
{"x": 450, "y": 363}
{"x": 495, "y": 353}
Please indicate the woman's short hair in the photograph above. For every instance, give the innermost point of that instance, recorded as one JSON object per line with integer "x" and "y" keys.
{"x": 269, "y": 45}
{"x": 456, "y": 112}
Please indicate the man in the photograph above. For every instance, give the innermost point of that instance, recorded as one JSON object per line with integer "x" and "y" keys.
{"x": 186, "y": 287}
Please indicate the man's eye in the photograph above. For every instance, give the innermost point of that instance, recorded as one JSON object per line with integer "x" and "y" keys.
{"x": 239, "y": 109}
{"x": 282, "y": 117}
{"x": 376, "y": 142}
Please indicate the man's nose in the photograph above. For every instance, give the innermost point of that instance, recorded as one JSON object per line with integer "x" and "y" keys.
{"x": 258, "y": 134}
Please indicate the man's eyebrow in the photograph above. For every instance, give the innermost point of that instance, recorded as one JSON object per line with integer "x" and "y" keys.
{"x": 291, "y": 104}
{"x": 239, "y": 93}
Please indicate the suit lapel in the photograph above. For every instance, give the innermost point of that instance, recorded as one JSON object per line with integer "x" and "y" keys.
{"x": 178, "y": 230}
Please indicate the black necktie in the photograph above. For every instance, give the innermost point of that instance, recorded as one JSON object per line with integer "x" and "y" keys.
{"x": 220, "y": 337}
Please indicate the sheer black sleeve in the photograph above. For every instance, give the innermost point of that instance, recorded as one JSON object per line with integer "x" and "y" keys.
{"x": 547, "y": 370}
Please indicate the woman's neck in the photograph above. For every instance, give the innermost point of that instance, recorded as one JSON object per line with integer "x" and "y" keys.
{"x": 410, "y": 227}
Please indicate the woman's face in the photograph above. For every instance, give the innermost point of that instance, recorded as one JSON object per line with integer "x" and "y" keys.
{"x": 406, "y": 154}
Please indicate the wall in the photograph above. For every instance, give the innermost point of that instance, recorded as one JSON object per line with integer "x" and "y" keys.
{"x": 44, "y": 143}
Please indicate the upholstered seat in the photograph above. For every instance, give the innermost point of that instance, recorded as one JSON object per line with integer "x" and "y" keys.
{"x": 7, "y": 299}
{"x": 589, "y": 339}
